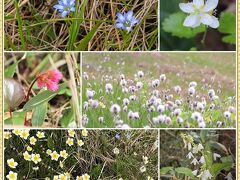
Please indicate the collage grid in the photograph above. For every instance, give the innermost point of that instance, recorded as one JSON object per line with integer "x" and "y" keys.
{"x": 161, "y": 131}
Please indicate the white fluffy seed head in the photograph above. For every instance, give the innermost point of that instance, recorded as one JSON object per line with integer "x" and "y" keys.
{"x": 115, "y": 109}
{"x": 162, "y": 77}
{"x": 227, "y": 114}
{"x": 90, "y": 93}
{"x": 191, "y": 91}
{"x": 193, "y": 84}
{"x": 140, "y": 74}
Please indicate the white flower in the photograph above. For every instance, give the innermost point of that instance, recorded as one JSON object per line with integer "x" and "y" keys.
{"x": 140, "y": 74}
{"x": 202, "y": 160}
{"x": 200, "y": 13}
{"x": 90, "y": 94}
{"x": 215, "y": 156}
{"x": 191, "y": 91}
{"x": 116, "y": 151}
{"x": 190, "y": 155}
{"x": 143, "y": 169}
{"x": 145, "y": 159}
{"x": 162, "y": 77}
{"x": 194, "y": 161}
{"x": 115, "y": 109}
{"x": 227, "y": 114}
{"x": 195, "y": 172}
{"x": 108, "y": 88}
{"x": 229, "y": 176}
{"x": 206, "y": 175}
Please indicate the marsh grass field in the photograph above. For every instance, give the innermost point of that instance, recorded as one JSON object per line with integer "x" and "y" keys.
{"x": 36, "y": 25}
{"x": 208, "y": 70}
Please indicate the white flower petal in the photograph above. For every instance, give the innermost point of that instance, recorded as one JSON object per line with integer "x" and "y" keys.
{"x": 198, "y": 3}
{"x": 186, "y": 7}
{"x": 206, "y": 19}
{"x": 191, "y": 20}
{"x": 210, "y": 5}
{"x": 215, "y": 23}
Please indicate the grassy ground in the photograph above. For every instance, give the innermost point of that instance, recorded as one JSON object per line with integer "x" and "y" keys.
{"x": 60, "y": 109}
{"x": 95, "y": 157}
{"x": 35, "y": 25}
{"x": 209, "y": 70}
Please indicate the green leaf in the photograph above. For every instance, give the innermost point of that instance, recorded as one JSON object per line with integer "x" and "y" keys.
{"x": 165, "y": 170}
{"x": 174, "y": 25}
{"x": 10, "y": 71}
{"x": 228, "y": 26}
{"x": 39, "y": 114}
{"x": 50, "y": 143}
{"x": 185, "y": 171}
{"x": 84, "y": 42}
{"x": 16, "y": 119}
{"x": 67, "y": 118}
{"x": 42, "y": 97}
{"x": 218, "y": 167}
{"x": 228, "y": 159}
{"x": 218, "y": 146}
{"x": 231, "y": 39}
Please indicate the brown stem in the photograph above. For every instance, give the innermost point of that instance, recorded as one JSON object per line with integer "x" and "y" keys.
{"x": 26, "y": 122}
{"x": 30, "y": 88}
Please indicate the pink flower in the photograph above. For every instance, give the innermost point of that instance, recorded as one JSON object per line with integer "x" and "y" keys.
{"x": 49, "y": 79}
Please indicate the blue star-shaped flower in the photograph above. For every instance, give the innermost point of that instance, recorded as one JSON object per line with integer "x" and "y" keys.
{"x": 126, "y": 21}
{"x": 65, "y": 7}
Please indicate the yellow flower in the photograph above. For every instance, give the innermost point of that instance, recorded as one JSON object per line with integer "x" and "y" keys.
{"x": 40, "y": 135}
{"x": 36, "y": 158}
{"x": 80, "y": 143}
{"x": 149, "y": 178}
{"x": 71, "y": 133}
{"x": 63, "y": 154}
{"x": 79, "y": 178}
{"x": 85, "y": 177}
{"x": 12, "y": 176}
{"x": 102, "y": 105}
{"x": 54, "y": 156}
{"x": 11, "y": 163}
{"x": 27, "y": 156}
{"x": 33, "y": 140}
{"x": 62, "y": 177}
{"x": 24, "y": 134}
{"x": 7, "y": 134}
{"x": 61, "y": 164}
{"x": 55, "y": 177}
{"x": 49, "y": 152}
{"x": 17, "y": 132}
{"x": 84, "y": 133}
{"x": 29, "y": 148}
{"x": 69, "y": 141}
{"x": 68, "y": 175}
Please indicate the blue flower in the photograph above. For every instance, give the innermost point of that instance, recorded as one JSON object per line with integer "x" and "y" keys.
{"x": 117, "y": 136}
{"x": 126, "y": 21}
{"x": 65, "y": 7}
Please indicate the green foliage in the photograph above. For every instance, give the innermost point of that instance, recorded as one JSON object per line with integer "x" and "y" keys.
{"x": 39, "y": 114}
{"x": 228, "y": 27}
{"x": 10, "y": 71}
{"x": 174, "y": 25}
{"x": 185, "y": 171}
{"x": 42, "y": 97}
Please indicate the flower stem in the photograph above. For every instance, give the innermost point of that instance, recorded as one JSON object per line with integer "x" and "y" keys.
{"x": 30, "y": 88}
{"x": 204, "y": 37}
{"x": 26, "y": 123}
